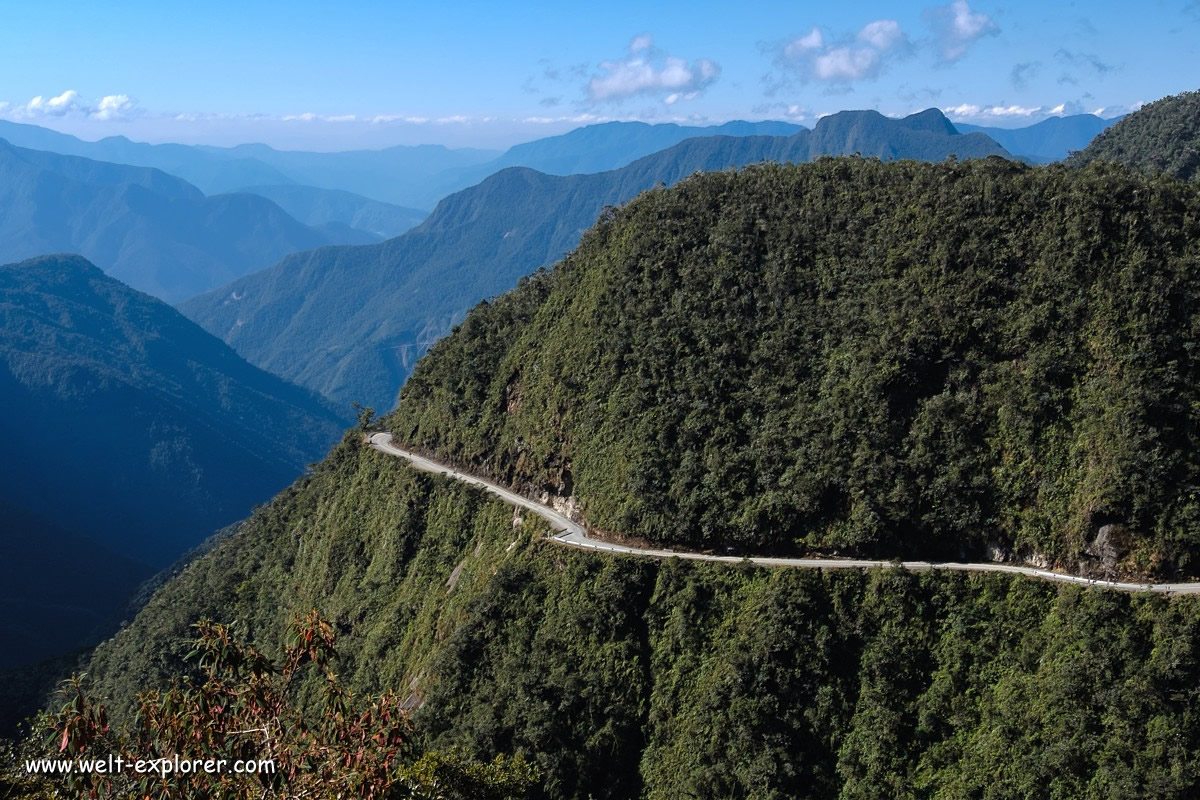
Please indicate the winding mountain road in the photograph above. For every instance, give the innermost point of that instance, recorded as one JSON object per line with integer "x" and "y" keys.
{"x": 572, "y": 534}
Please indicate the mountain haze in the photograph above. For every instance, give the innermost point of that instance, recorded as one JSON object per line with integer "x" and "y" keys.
{"x": 387, "y": 175}
{"x": 598, "y": 148}
{"x": 322, "y": 207}
{"x": 350, "y": 322}
{"x": 144, "y": 227}
{"x": 1051, "y": 139}
{"x": 211, "y": 173}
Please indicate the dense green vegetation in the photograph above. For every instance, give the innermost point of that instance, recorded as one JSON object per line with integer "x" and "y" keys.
{"x": 1163, "y": 136}
{"x": 619, "y": 677}
{"x": 242, "y": 708}
{"x": 148, "y": 229}
{"x": 350, "y": 322}
{"x": 897, "y": 359}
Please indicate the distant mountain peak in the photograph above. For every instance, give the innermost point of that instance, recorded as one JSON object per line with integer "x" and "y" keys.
{"x": 932, "y": 120}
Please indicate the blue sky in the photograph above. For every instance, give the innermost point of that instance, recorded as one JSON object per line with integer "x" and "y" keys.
{"x": 339, "y": 75}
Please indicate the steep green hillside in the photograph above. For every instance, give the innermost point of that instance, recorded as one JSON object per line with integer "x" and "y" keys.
{"x": 1163, "y": 136}
{"x": 350, "y": 322}
{"x": 127, "y": 424}
{"x": 851, "y": 356}
{"x": 626, "y": 678}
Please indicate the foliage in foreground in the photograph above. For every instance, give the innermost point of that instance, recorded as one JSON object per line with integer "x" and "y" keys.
{"x": 625, "y": 678}
{"x": 244, "y": 710}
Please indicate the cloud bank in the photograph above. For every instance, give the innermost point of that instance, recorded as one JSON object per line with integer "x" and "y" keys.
{"x": 113, "y": 107}
{"x": 647, "y": 71}
{"x": 862, "y": 56}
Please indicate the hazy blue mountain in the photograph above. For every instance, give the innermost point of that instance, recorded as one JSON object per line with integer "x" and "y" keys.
{"x": 211, "y": 174}
{"x": 1051, "y": 139}
{"x": 318, "y": 207}
{"x": 598, "y": 148}
{"x": 349, "y": 322}
{"x": 611, "y": 145}
{"x": 393, "y": 175}
{"x": 398, "y": 175}
{"x": 151, "y": 230}
{"x": 127, "y": 424}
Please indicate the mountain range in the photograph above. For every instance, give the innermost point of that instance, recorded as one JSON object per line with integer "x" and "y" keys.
{"x": 598, "y": 148}
{"x": 980, "y": 358}
{"x": 93, "y": 584}
{"x": 350, "y": 322}
{"x": 333, "y": 208}
{"x": 149, "y": 229}
{"x": 1052, "y": 139}
{"x": 219, "y": 170}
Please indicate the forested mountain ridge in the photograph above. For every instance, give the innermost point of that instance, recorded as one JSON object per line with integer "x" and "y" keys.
{"x": 622, "y": 678}
{"x": 1163, "y": 136}
{"x": 803, "y": 333}
{"x": 350, "y": 322}
{"x": 850, "y": 356}
{"x": 149, "y": 229}
{"x": 126, "y": 423}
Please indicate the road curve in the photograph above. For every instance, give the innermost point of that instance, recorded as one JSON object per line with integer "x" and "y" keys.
{"x": 572, "y": 534}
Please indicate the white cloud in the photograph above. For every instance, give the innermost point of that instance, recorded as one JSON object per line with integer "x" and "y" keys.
{"x": 884, "y": 34}
{"x": 956, "y": 26}
{"x": 790, "y": 111}
{"x": 1027, "y": 115}
{"x": 647, "y": 72}
{"x": 971, "y": 110}
{"x": 113, "y": 107}
{"x": 813, "y": 40}
{"x": 851, "y": 59}
{"x": 640, "y": 43}
{"x": 578, "y": 119}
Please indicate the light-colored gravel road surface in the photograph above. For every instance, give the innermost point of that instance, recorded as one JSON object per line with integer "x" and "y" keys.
{"x": 573, "y": 534}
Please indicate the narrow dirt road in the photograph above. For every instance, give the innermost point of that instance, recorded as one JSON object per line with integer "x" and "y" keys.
{"x": 573, "y": 534}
